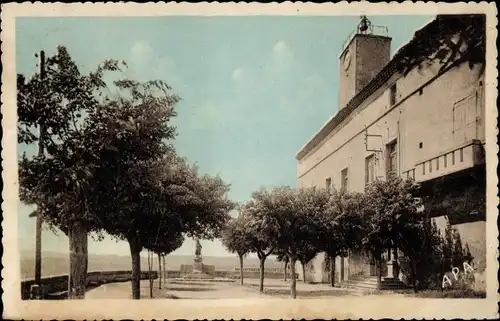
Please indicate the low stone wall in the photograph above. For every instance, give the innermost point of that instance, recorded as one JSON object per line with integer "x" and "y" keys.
{"x": 269, "y": 273}
{"x": 250, "y": 273}
{"x": 59, "y": 283}
{"x": 173, "y": 274}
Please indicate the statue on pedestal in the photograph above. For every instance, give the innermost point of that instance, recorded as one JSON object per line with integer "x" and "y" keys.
{"x": 197, "y": 252}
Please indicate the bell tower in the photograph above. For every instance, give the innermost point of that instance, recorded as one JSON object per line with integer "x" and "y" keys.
{"x": 363, "y": 56}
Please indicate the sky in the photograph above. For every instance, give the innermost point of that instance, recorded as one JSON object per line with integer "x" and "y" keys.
{"x": 254, "y": 89}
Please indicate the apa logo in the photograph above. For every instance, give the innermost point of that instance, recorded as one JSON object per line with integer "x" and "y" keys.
{"x": 456, "y": 271}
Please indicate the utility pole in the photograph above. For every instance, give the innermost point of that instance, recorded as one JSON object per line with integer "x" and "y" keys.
{"x": 38, "y": 237}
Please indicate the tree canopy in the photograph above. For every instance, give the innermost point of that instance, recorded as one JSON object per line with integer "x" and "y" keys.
{"x": 235, "y": 238}
{"x": 449, "y": 39}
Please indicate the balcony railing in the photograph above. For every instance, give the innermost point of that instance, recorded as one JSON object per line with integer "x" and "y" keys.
{"x": 462, "y": 157}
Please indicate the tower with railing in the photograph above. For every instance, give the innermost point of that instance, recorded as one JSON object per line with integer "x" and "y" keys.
{"x": 365, "y": 52}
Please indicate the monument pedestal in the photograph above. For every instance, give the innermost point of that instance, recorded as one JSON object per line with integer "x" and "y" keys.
{"x": 198, "y": 267}
{"x": 197, "y": 271}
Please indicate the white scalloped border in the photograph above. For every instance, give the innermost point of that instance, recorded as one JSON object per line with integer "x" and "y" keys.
{"x": 341, "y": 308}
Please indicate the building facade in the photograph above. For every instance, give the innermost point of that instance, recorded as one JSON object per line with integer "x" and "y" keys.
{"x": 427, "y": 124}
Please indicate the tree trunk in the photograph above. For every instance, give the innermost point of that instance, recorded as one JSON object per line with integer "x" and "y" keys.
{"x": 159, "y": 271}
{"x": 379, "y": 271}
{"x": 261, "y": 287}
{"x": 303, "y": 271}
{"x": 332, "y": 271}
{"x": 150, "y": 272}
{"x": 135, "y": 252}
{"x": 78, "y": 262}
{"x": 286, "y": 265}
{"x": 293, "y": 284}
{"x": 165, "y": 274}
{"x": 241, "y": 269}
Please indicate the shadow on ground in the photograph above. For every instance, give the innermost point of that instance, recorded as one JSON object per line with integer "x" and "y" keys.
{"x": 189, "y": 289}
{"x": 190, "y": 283}
{"x": 284, "y": 290}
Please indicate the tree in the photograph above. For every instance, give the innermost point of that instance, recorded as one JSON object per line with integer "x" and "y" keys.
{"x": 236, "y": 239}
{"x": 162, "y": 245}
{"x": 449, "y": 39}
{"x": 259, "y": 236}
{"x": 58, "y": 180}
{"x": 305, "y": 254}
{"x": 390, "y": 214}
{"x": 341, "y": 226}
{"x": 289, "y": 219}
{"x": 283, "y": 257}
{"x": 166, "y": 196}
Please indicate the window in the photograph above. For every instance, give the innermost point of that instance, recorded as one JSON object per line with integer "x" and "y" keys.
{"x": 345, "y": 178}
{"x": 453, "y": 158}
{"x": 393, "y": 94}
{"x": 420, "y": 145}
{"x": 328, "y": 183}
{"x": 437, "y": 163}
{"x": 423, "y": 168}
{"x": 446, "y": 160}
{"x": 369, "y": 169}
{"x": 430, "y": 166}
{"x": 392, "y": 159}
{"x": 461, "y": 154}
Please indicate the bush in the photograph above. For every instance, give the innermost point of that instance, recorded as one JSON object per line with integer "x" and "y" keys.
{"x": 452, "y": 293}
{"x": 435, "y": 256}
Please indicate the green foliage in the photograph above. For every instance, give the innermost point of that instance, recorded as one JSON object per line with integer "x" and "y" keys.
{"x": 423, "y": 248}
{"x": 235, "y": 238}
{"x": 306, "y": 253}
{"x": 164, "y": 244}
{"x": 431, "y": 254}
{"x": 454, "y": 293}
{"x": 287, "y": 220}
{"x": 341, "y": 224}
{"x": 109, "y": 163}
{"x": 450, "y": 40}
{"x": 166, "y": 194}
{"x": 59, "y": 99}
{"x": 391, "y": 211}
{"x": 454, "y": 252}
{"x": 59, "y": 102}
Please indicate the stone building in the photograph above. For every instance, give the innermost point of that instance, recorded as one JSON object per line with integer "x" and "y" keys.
{"x": 426, "y": 123}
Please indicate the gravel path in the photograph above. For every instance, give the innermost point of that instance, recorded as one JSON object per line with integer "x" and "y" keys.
{"x": 175, "y": 290}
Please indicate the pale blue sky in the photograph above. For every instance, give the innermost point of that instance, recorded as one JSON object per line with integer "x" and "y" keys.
{"x": 254, "y": 89}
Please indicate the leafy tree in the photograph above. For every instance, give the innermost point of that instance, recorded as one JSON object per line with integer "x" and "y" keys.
{"x": 283, "y": 257}
{"x": 391, "y": 211}
{"x": 305, "y": 254}
{"x": 236, "y": 239}
{"x": 260, "y": 237}
{"x": 163, "y": 245}
{"x": 166, "y": 191}
{"x": 58, "y": 179}
{"x": 449, "y": 39}
{"x": 423, "y": 248}
{"x": 289, "y": 218}
{"x": 341, "y": 226}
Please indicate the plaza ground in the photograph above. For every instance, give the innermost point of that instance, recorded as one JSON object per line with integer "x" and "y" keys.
{"x": 199, "y": 289}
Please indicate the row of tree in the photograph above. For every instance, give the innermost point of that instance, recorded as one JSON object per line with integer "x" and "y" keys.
{"x": 298, "y": 224}
{"x": 108, "y": 165}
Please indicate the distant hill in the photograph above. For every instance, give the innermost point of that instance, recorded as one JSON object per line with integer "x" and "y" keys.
{"x": 54, "y": 263}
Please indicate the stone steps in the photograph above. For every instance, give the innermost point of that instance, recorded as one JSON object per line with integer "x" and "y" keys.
{"x": 370, "y": 283}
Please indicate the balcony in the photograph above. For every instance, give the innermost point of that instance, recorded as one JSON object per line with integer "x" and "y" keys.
{"x": 464, "y": 156}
